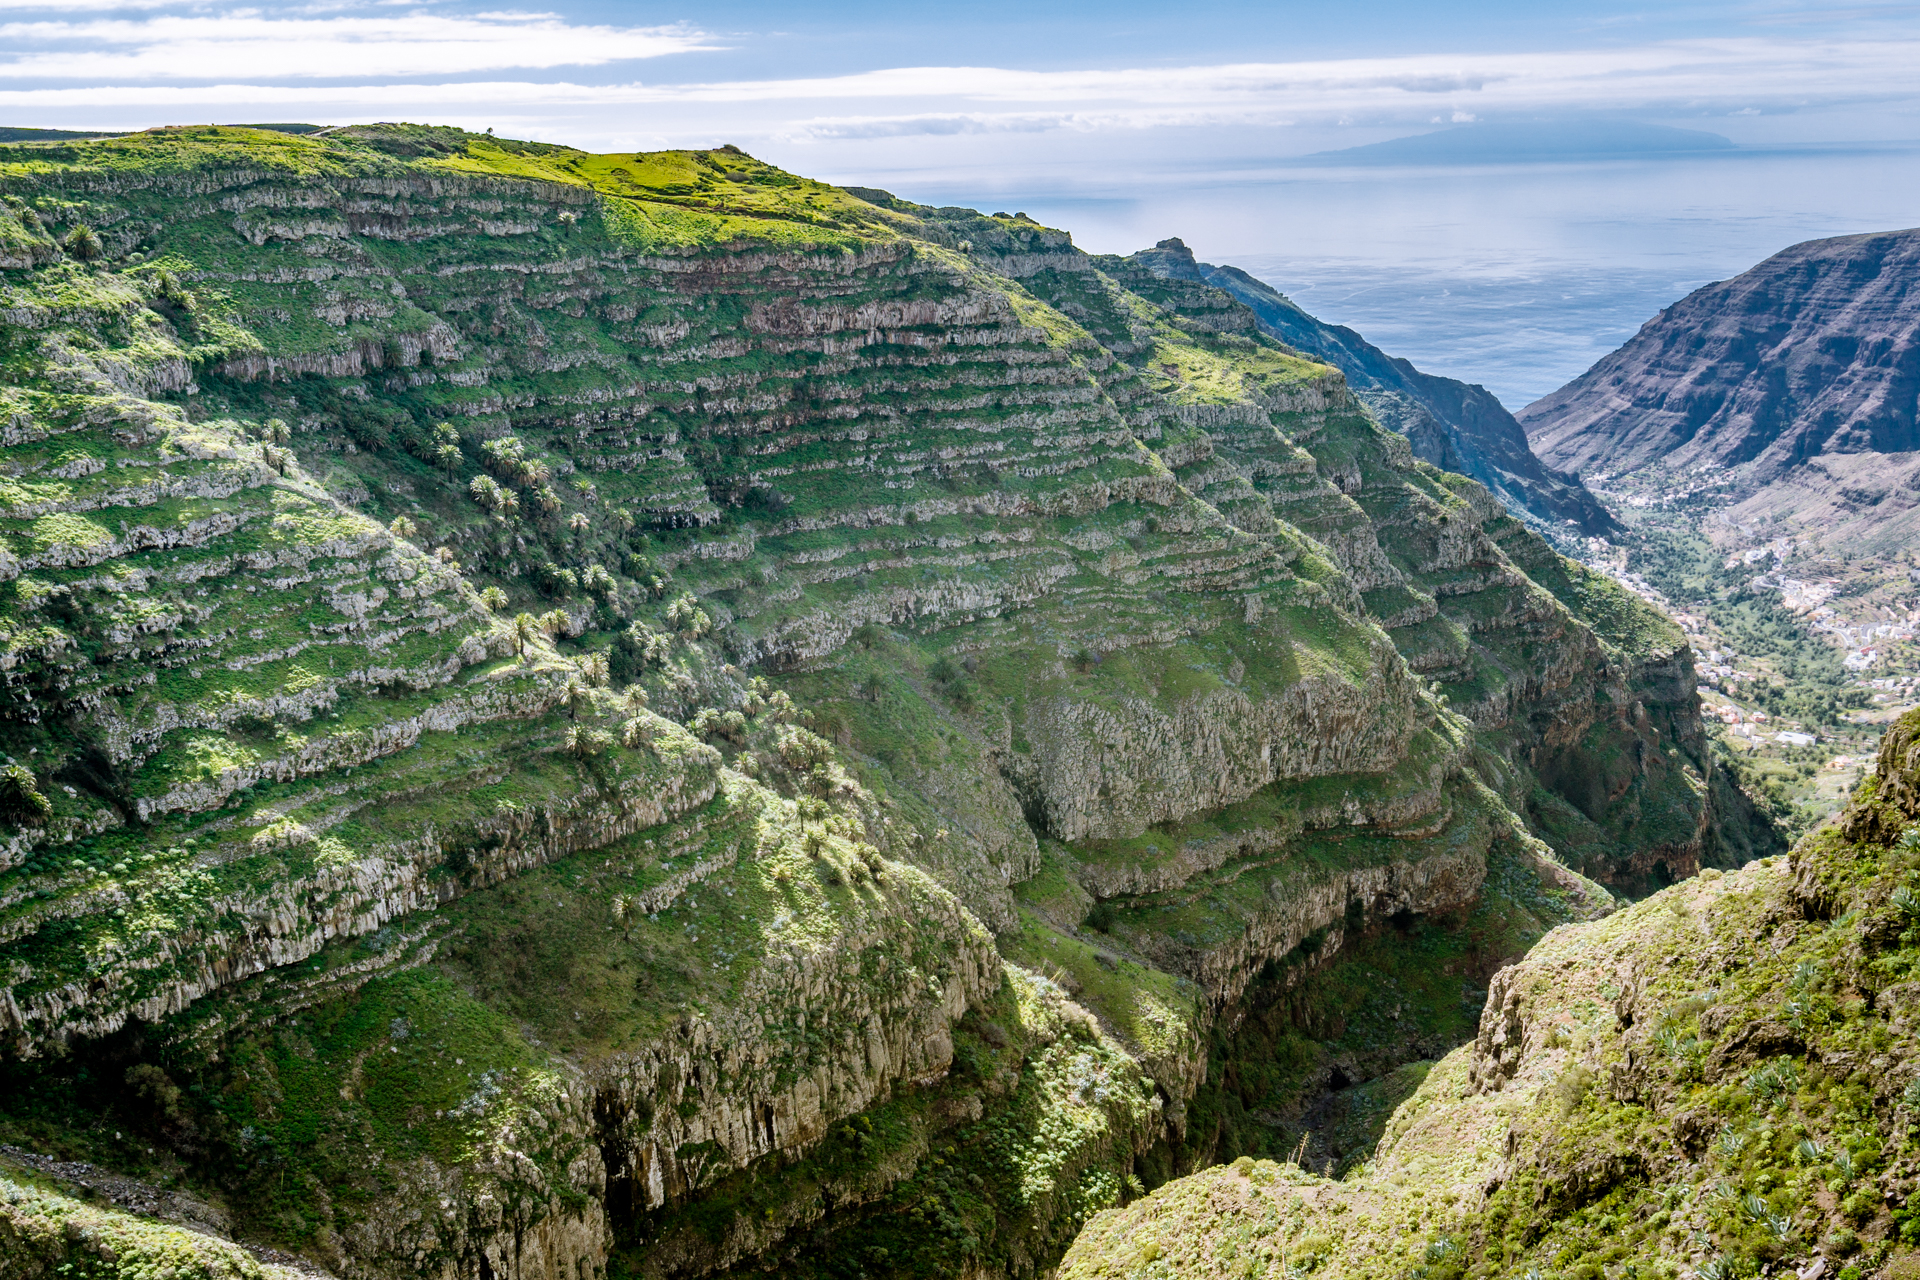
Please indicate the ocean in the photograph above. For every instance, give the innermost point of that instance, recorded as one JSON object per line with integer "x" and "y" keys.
{"x": 1514, "y": 276}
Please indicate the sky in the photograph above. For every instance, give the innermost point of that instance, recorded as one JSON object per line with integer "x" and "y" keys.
{"x": 1126, "y": 122}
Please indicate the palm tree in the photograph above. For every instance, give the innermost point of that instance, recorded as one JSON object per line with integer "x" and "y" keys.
{"x": 21, "y": 802}
{"x": 624, "y": 910}
{"x": 526, "y": 628}
{"x": 82, "y": 243}
{"x": 579, "y": 523}
{"x": 577, "y": 696}
{"x": 594, "y": 667}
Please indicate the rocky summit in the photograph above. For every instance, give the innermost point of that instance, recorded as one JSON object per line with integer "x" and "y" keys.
{"x": 581, "y": 715}
{"x": 1786, "y": 395}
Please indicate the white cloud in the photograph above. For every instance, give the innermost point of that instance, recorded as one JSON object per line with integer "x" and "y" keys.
{"x": 149, "y": 58}
{"x": 1612, "y": 78}
{"x": 251, "y": 45}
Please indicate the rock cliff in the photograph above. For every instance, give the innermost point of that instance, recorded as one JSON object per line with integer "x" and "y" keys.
{"x": 1718, "y": 1081}
{"x": 577, "y": 713}
{"x": 1454, "y": 425}
{"x": 1788, "y": 390}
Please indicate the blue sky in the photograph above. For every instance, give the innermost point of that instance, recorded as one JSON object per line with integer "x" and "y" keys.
{"x": 838, "y": 82}
{"x": 1124, "y": 121}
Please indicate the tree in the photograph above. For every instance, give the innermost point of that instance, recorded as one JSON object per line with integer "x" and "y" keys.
{"x": 579, "y": 523}
{"x": 594, "y": 667}
{"x": 526, "y": 629}
{"x": 82, "y": 243}
{"x": 485, "y": 491}
{"x": 402, "y": 527}
{"x": 624, "y": 911}
{"x": 578, "y": 696}
{"x": 20, "y": 800}
{"x": 494, "y": 598}
{"x": 685, "y": 614}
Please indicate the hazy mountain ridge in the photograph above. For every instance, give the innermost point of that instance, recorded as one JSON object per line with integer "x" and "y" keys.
{"x": 1790, "y": 393}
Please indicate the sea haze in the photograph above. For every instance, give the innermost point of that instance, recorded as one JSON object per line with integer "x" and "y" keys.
{"x": 1516, "y": 274}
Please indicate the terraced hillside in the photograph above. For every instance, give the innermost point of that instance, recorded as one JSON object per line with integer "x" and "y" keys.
{"x": 573, "y": 714}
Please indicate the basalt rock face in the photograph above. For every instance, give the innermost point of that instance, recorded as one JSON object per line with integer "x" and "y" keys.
{"x": 1717, "y": 1080}
{"x": 1793, "y": 383}
{"x": 1454, "y": 425}
{"x": 572, "y": 711}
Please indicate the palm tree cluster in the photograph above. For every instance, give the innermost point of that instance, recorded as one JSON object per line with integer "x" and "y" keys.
{"x": 501, "y": 502}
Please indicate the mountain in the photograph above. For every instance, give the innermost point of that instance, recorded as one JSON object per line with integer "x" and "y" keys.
{"x": 1790, "y": 390}
{"x": 1649, "y": 1094}
{"x": 1527, "y": 142}
{"x": 15, "y": 133}
{"x": 639, "y": 713}
{"x": 1454, "y": 425}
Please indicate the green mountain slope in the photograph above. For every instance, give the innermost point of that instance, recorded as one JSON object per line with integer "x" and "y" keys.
{"x": 1651, "y": 1094}
{"x": 573, "y": 713}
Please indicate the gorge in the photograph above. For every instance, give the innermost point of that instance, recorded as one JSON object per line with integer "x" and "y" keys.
{"x": 580, "y": 715}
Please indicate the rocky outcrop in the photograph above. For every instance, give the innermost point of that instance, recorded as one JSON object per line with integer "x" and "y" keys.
{"x": 1599, "y": 1082}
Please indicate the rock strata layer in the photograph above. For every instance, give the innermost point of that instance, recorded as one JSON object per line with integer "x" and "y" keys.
{"x": 579, "y": 713}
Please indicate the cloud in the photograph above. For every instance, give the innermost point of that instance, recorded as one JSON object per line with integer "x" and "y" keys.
{"x": 122, "y": 65}
{"x": 249, "y": 44}
{"x": 1654, "y": 74}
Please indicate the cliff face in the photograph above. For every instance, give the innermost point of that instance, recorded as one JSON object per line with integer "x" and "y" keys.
{"x": 1718, "y": 1080}
{"x": 534, "y": 680}
{"x": 1793, "y": 384}
{"x": 1454, "y": 425}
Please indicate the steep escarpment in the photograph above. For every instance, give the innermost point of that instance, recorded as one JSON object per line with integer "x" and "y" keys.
{"x": 1453, "y": 425}
{"x": 1788, "y": 390}
{"x": 1715, "y": 1081}
{"x": 577, "y": 713}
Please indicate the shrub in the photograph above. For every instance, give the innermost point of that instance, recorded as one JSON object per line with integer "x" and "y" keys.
{"x": 1572, "y": 1085}
{"x": 1862, "y": 1204}
{"x": 20, "y": 800}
